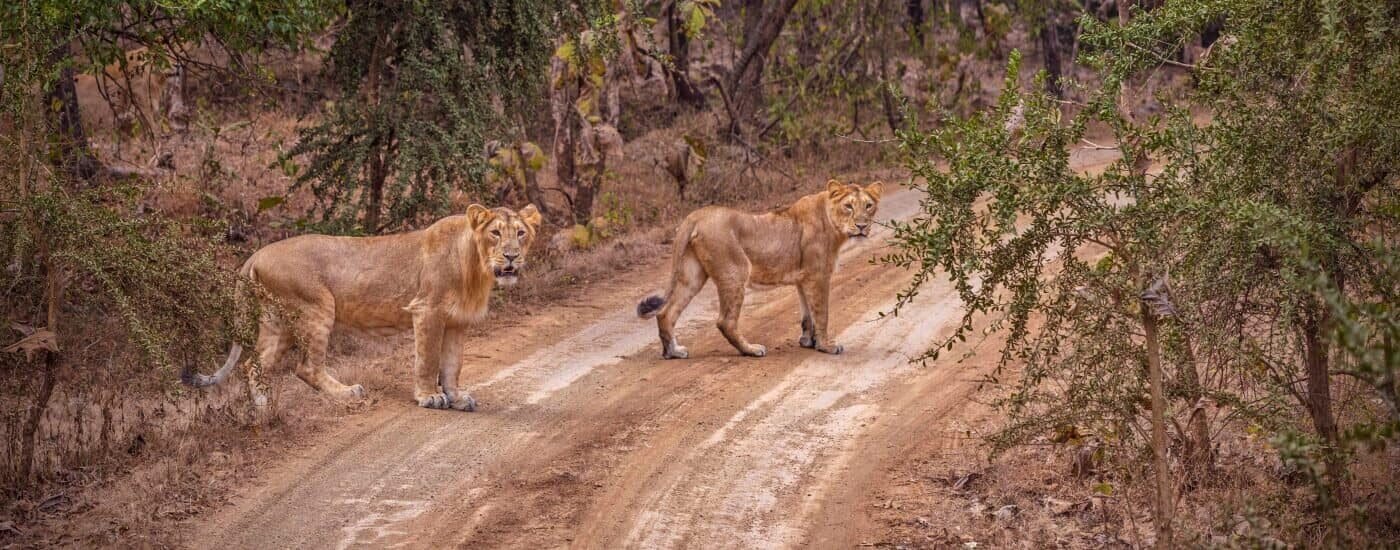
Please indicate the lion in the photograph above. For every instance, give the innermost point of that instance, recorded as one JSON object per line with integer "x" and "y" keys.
{"x": 436, "y": 281}
{"x": 796, "y": 245}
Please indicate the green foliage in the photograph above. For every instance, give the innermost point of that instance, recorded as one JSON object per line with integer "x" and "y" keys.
{"x": 176, "y": 304}
{"x": 1270, "y": 219}
{"x": 104, "y": 29}
{"x": 131, "y": 295}
{"x": 422, "y": 85}
{"x": 694, "y": 14}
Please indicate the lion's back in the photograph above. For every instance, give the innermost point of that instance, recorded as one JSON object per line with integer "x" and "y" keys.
{"x": 367, "y": 279}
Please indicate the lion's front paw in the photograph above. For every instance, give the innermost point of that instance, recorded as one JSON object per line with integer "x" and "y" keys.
{"x": 807, "y": 341}
{"x": 834, "y": 349}
{"x": 756, "y": 350}
{"x": 464, "y": 402}
{"x": 433, "y": 401}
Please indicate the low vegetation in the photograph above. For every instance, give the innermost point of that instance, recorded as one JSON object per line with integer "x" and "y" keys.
{"x": 1205, "y": 329}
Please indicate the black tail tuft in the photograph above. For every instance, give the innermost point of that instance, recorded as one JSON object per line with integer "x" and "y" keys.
{"x": 648, "y": 307}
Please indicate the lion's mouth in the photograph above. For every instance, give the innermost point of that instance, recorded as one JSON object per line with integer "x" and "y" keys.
{"x": 506, "y": 275}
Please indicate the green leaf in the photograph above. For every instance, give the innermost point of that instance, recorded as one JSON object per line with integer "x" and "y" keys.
{"x": 268, "y": 203}
{"x": 694, "y": 19}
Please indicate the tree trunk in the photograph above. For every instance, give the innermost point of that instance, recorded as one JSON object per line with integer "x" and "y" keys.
{"x": 376, "y": 162}
{"x": 1050, "y": 53}
{"x": 376, "y": 174}
{"x": 745, "y": 79}
{"x": 969, "y": 16}
{"x": 532, "y": 179}
{"x": 1200, "y": 456}
{"x": 565, "y": 149}
{"x": 893, "y": 116}
{"x": 1125, "y": 107}
{"x": 173, "y": 99}
{"x": 1315, "y": 351}
{"x": 583, "y": 198}
{"x": 686, "y": 91}
{"x": 76, "y": 158}
{"x": 915, "y": 9}
{"x": 1163, "y": 505}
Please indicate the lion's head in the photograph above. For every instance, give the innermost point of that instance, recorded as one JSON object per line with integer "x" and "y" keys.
{"x": 503, "y": 237}
{"x": 852, "y": 207}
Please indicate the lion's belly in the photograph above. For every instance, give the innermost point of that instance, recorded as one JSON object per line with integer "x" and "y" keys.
{"x": 760, "y": 277}
{"x": 374, "y": 317}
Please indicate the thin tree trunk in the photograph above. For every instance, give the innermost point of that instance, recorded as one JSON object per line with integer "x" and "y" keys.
{"x": 532, "y": 179}
{"x": 1199, "y": 454}
{"x": 686, "y": 91}
{"x": 1315, "y": 326}
{"x": 915, "y": 9}
{"x": 376, "y": 186}
{"x": 1163, "y": 504}
{"x": 76, "y": 158}
{"x": 564, "y": 156}
{"x": 1050, "y": 53}
{"x": 893, "y": 116}
{"x": 583, "y": 199}
{"x": 744, "y": 81}
{"x": 1125, "y": 107}
{"x": 376, "y": 163}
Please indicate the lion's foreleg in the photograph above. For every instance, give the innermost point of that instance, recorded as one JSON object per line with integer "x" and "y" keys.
{"x": 452, "y": 341}
{"x": 808, "y": 338}
{"x": 818, "y": 294}
{"x": 427, "y": 361}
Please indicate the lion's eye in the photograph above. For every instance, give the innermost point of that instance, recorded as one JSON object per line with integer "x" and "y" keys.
{"x": 520, "y": 233}
{"x": 850, "y": 208}
{"x": 869, "y": 206}
{"x": 496, "y": 233}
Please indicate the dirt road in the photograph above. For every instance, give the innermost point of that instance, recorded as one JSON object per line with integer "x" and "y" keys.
{"x": 586, "y": 438}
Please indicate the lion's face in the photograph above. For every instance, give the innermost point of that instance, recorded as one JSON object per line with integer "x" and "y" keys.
{"x": 852, "y": 207}
{"x": 504, "y": 238}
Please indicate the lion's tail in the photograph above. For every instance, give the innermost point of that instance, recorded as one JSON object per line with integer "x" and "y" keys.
{"x": 197, "y": 380}
{"x": 651, "y": 305}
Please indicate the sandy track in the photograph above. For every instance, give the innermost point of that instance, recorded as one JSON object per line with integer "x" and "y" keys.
{"x": 587, "y": 439}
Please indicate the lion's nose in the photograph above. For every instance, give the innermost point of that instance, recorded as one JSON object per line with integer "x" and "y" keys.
{"x": 510, "y": 258}
{"x": 861, "y": 227}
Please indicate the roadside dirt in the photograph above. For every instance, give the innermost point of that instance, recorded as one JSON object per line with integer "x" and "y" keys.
{"x": 586, "y": 438}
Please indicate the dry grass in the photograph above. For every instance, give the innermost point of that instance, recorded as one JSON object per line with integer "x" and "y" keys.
{"x": 951, "y": 494}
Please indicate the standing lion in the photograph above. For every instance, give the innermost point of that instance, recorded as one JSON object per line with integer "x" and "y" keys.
{"x": 436, "y": 281}
{"x": 794, "y": 246}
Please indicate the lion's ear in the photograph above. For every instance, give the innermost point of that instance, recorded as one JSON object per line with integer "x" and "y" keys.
{"x": 531, "y": 215}
{"x": 835, "y": 189}
{"x": 479, "y": 215}
{"x": 875, "y": 189}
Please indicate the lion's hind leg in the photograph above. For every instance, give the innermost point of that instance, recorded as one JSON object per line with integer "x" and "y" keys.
{"x": 273, "y": 342}
{"x": 315, "y": 330}
{"x": 686, "y": 282}
{"x": 731, "y": 300}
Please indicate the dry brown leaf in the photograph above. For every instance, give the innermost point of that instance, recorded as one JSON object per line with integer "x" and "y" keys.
{"x": 34, "y": 341}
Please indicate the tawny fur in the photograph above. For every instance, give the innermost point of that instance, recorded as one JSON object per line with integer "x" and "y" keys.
{"x": 436, "y": 281}
{"x": 796, "y": 246}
